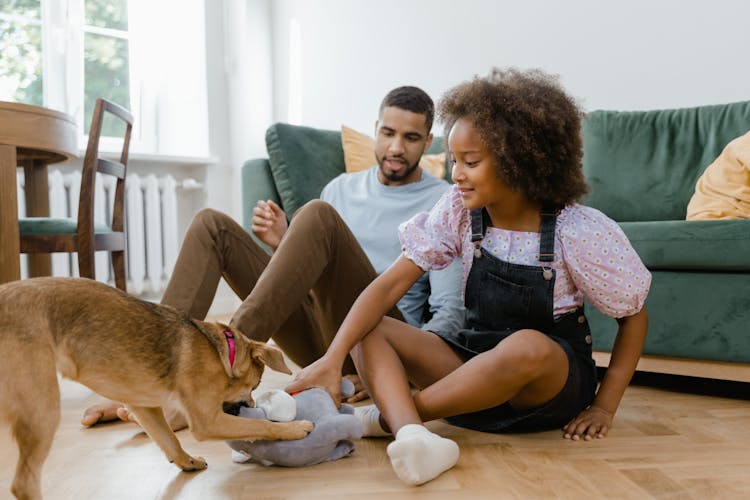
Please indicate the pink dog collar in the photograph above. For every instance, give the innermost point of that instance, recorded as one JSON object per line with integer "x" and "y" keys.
{"x": 230, "y": 342}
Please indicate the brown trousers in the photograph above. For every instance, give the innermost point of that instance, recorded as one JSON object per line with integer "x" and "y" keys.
{"x": 299, "y": 296}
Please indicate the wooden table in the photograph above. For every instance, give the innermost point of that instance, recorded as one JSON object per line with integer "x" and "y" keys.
{"x": 31, "y": 137}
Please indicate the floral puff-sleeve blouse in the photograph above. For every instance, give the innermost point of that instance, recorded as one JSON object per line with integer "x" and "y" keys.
{"x": 593, "y": 257}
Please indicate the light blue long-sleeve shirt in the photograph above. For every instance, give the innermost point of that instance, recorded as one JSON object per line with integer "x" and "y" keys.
{"x": 373, "y": 212}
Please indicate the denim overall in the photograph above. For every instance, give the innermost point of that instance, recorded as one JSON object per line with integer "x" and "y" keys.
{"x": 502, "y": 298}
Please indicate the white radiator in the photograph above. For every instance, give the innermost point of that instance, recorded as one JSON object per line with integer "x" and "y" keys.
{"x": 150, "y": 225}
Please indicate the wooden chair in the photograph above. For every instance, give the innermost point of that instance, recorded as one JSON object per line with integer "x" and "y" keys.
{"x": 47, "y": 235}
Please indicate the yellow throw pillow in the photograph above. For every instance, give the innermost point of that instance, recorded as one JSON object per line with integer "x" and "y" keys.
{"x": 723, "y": 190}
{"x": 359, "y": 149}
{"x": 434, "y": 164}
{"x": 359, "y": 154}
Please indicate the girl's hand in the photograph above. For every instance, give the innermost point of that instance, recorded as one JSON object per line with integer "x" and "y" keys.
{"x": 360, "y": 392}
{"x": 321, "y": 373}
{"x": 591, "y": 422}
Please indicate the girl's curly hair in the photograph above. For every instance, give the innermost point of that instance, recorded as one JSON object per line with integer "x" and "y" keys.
{"x": 532, "y": 126}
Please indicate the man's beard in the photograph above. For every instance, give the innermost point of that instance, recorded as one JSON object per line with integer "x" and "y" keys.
{"x": 396, "y": 176}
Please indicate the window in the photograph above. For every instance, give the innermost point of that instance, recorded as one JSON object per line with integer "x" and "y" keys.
{"x": 38, "y": 47}
{"x": 64, "y": 54}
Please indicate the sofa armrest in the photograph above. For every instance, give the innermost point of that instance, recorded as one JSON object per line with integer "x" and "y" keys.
{"x": 257, "y": 184}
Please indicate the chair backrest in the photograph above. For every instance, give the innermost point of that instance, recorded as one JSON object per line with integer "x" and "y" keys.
{"x": 93, "y": 163}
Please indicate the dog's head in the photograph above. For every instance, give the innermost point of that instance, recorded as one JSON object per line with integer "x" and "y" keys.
{"x": 243, "y": 359}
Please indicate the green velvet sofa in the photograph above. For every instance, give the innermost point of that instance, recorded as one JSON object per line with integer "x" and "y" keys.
{"x": 642, "y": 168}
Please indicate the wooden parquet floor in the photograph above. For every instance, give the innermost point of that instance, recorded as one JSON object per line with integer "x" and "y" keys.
{"x": 667, "y": 443}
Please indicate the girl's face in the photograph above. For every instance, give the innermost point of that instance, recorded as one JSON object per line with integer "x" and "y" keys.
{"x": 474, "y": 167}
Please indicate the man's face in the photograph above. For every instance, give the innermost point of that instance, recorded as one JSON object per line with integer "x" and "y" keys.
{"x": 401, "y": 137}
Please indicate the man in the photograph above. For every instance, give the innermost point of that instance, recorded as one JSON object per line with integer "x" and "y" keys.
{"x": 330, "y": 251}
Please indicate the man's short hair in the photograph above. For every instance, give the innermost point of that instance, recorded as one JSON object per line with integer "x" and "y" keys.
{"x": 411, "y": 99}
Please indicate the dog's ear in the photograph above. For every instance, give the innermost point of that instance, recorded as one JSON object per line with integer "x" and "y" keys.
{"x": 214, "y": 332}
{"x": 245, "y": 349}
{"x": 269, "y": 356}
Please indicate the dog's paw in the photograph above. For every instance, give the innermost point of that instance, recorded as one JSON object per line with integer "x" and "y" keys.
{"x": 193, "y": 464}
{"x": 297, "y": 429}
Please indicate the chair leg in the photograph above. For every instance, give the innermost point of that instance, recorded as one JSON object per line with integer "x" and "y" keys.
{"x": 86, "y": 268}
{"x": 40, "y": 264}
{"x": 118, "y": 264}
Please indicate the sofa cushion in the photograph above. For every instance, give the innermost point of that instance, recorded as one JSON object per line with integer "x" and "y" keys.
{"x": 643, "y": 165}
{"x": 718, "y": 245}
{"x": 359, "y": 151}
{"x": 723, "y": 191}
{"x": 303, "y": 160}
{"x": 690, "y": 315}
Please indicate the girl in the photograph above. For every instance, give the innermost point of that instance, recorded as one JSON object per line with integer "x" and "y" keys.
{"x": 531, "y": 254}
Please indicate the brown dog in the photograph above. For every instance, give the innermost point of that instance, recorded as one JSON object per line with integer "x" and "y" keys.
{"x": 143, "y": 354}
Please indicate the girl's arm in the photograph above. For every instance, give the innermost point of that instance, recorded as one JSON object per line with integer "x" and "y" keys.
{"x": 366, "y": 312}
{"x": 596, "y": 420}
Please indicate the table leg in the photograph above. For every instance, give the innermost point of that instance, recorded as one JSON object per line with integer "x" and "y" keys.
{"x": 10, "y": 264}
{"x": 37, "y": 205}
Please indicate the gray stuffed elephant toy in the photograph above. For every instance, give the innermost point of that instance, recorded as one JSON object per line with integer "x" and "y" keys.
{"x": 331, "y": 438}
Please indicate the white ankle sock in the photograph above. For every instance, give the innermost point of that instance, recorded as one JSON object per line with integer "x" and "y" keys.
{"x": 418, "y": 455}
{"x": 369, "y": 417}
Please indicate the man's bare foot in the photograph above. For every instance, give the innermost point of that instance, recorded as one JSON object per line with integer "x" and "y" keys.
{"x": 126, "y": 415}
{"x": 175, "y": 419}
{"x": 103, "y": 412}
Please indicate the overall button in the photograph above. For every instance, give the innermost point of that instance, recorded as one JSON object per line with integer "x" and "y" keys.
{"x": 587, "y": 338}
{"x": 582, "y": 319}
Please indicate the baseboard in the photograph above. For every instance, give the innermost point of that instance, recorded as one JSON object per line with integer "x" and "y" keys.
{"x": 721, "y": 370}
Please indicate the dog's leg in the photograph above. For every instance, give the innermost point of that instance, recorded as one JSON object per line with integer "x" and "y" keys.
{"x": 37, "y": 415}
{"x": 153, "y": 422}
{"x": 229, "y": 427}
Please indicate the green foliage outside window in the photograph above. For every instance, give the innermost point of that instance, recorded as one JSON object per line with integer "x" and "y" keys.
{"x": 107, "y": 14}
{"x": 21, "y": 50}
{"x": 106, "y": 61}
{"x": 106, "y": 66}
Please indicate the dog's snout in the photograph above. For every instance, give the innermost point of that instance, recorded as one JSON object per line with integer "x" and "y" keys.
{"x": 235, "y": 407}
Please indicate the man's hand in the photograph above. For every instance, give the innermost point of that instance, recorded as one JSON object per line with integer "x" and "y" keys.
{"x": 269, "y": 223}
{"x": 321, "y": 374}
{"x": 593, "y": 422}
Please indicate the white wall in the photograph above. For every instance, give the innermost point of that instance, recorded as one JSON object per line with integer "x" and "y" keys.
{"x": 240, "y": 93}
{"x": 640, "y": 54}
